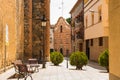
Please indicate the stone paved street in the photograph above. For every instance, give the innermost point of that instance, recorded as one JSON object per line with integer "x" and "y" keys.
{"x": 90, "y": 72}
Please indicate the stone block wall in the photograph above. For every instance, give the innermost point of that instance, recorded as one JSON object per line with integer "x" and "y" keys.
{"x": 36, "y": 37}
{"x": 62, "y": 40}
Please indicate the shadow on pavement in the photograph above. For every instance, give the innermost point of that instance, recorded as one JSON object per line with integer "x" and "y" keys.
{"x": 95, "y": 65}
{"x": 15, "y": 76}
{"x": 103, "y": 71}
{"x": 77, "y": 69}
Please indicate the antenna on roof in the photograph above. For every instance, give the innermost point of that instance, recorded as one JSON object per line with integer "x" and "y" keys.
{"x": 61, "y": 7}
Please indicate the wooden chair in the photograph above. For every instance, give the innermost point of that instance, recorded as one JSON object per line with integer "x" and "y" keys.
{"x": 15, "y": 63}
{"x": 23, "y": 71}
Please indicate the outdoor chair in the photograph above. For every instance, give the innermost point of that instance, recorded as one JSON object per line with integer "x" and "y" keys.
{"x": 33, "y": 63}
{"x": 15, "y": 63}
{"x": 23, "y": 71}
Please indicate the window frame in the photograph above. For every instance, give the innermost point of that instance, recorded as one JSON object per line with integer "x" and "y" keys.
{"x": 61, "y": 29}
{"x": 100, "y": 41}
{"x": 92, "y": 17}
{"x": 99, "y": 13}
{"x": 91, "y": 42}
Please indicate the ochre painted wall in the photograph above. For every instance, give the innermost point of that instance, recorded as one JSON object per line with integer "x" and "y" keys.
{"x": 114, "y": 40}
{"x": 11, "y": 15}
{"x": 99, "y": 28}
{"x": 8, "y": 17}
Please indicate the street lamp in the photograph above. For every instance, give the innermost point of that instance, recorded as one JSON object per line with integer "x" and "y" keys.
{"x": 67, "y": 57}
{"x": 44, "y": 21}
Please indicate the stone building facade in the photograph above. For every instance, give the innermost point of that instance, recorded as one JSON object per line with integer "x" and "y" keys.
{"x": 62, "y": 37}
{"x": 77, "y": 28}
{"x": 34, "y": 43}
{"x": 96, "y": 27}
{"x": 51, "y": 38}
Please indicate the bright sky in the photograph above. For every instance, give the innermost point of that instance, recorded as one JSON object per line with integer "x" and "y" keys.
{"x": 56, "y": 9}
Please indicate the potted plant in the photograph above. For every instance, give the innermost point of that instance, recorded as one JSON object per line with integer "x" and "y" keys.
{"x": 104, "y": 59}
{"x": 56, "y": 58}
{"x": 78, "y": 59}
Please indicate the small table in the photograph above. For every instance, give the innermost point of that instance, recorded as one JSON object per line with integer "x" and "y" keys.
{"x": 34, "y": 64}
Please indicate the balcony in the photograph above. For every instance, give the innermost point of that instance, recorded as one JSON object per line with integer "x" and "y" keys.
{"x": 79, "y": 35}
{"x": 79, "y": 22}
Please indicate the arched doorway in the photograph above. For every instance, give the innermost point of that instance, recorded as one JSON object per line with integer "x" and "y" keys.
{"x": 61, "y": 51}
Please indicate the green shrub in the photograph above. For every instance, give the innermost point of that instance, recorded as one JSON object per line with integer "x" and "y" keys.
{"x": 104, "y": 59}
{"x": 78, "y": 59}
{"x": 56, "y": 58}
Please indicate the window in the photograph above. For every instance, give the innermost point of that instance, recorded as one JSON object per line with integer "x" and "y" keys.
{"x": 100, "y": 41}
{"x": 51, "y": 40}
{"x": 99, "y": 13}
{"x": 80, "y": 47}
{"x": 86, "y": 21}
{"x": 92, "y": 14}
{"x": 61, "y": 29}
{"x": 91, "y": 42}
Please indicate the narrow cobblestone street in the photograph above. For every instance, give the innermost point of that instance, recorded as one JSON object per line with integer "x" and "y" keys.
{"x": 90, "y": 72}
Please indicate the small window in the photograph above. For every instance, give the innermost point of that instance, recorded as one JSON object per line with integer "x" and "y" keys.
{"x": 92, "y": 14}
{"x": 50, "y": 40}
{"x": 91, "y": 42}
{"x": 100, "y": 13}
{"x": 86, "y": 21}
{"x": 101, "y": 41}
{"x": 61, "y": 29}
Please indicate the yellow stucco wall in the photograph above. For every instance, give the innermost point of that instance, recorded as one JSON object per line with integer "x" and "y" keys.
{"x": 9, "y": 16}
{"x": 99, "y": 28}
{"x": 114, "y": 40}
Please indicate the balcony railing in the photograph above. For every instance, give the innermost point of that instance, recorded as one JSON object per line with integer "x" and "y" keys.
{"x": 79, "y": 19}
{"x": 79, "y": 36}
